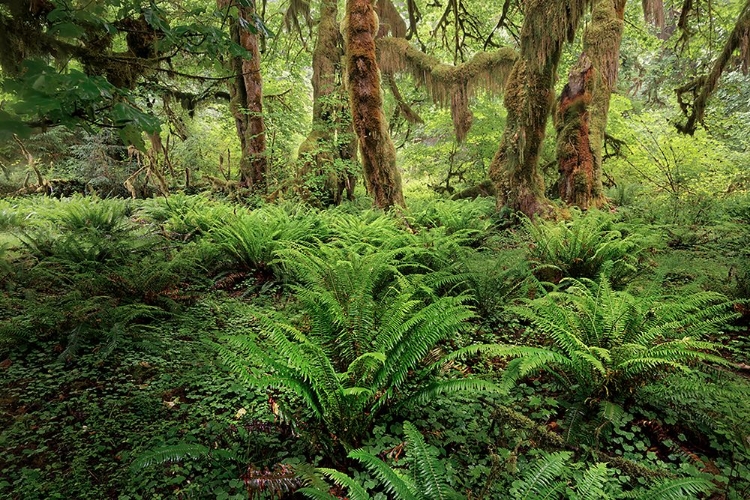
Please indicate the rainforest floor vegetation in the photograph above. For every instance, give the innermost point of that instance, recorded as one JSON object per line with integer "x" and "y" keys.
{"x": 194, "y": 347}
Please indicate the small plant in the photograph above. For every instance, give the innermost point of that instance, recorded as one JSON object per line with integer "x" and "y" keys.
{"x": 252, "y": 239}
{"x": 581, "y": 248}
{"x": 602, "y": 345}
{"x": 552, "y": 476}
{"x": 424, "y": 480}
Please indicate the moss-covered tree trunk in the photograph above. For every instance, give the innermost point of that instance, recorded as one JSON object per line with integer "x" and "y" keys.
{"x": 378, "y": 155}
{"x": 582, "y": 109}
{"x": 529, "y": 94}
{"x": 246, "y": 103}
{"x": 331, "y": 137}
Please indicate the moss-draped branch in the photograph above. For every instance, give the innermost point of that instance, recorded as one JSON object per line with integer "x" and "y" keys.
{"x": 448, "y": 84}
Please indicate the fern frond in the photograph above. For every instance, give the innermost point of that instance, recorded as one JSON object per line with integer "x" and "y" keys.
{"x": 172, "y": 453}
{"x": 675, "y": 489}
{"x": 541, "y": 480}
{"x": 393, "y": 483}
{"x": 429, "y": 473}
{"x": 591, "y": 486}
{"x": 472, "y": 385}
{"x": 356, "y": 491}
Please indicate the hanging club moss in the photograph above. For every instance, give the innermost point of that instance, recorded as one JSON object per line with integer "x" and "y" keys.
{"x": 448, "y": 85}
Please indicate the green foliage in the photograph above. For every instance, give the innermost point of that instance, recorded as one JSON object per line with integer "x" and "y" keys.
{"x": 552, "y": 476}
{"x": 580, "y": 248}
{"x": 605, "y": 343}
{"x": 90, "y": 273}
{"x": 424, "y": 480}
{"x": 362, "y": 345}
{"x": 471, "y": 217}
{"x": 252, "y": 239}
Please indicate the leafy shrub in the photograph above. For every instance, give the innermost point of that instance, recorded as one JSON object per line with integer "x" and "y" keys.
{"x": 580, "y": 248}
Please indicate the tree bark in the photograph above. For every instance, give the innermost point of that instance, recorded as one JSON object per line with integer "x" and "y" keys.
{"x": 331, "y": 137}
{"x": 528, "y": 100}
{"x": 359, "y": 27}
{"x": 246, "y": 100}
{"x": 583, "y": 107}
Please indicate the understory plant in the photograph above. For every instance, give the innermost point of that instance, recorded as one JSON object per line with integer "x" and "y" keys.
{"x": 601, "y": 345}
{"x": 367, "y": 341}
{"x": 553, "y": 475}
{"x": 581, "y": 247}
{"x": 89, "y": 272}
{"x": 426, "y": 479}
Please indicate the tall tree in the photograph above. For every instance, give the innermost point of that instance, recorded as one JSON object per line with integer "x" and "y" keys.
{"x": 360, "y": 27}
{"x": 246, "y": 91}
{"x": 528, "y": 99}
{"x": 581, "y": 115}
{"x": 331, "y": 137}
{"x": 693, "y": 96}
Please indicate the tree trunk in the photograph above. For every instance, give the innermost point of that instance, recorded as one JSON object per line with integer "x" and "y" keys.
{"x": 359, "y": 28}
{"x": 246, "y": 101}
{"x": 528, "y": 99}
{"x": 581, "y": 117}
{"x": 331, "y": 137}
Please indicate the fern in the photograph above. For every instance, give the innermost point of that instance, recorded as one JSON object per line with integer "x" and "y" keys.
{"x": 362, "y": 343}
{"x": 609, "y": 342}
{"x": 674, "y": 489}
{"x": 171, "y": 453}
{"x": 252, "y": 239}
{"x": 541, "y": 480}
{"x": 553, "y": 476}
{"x": 424, "y": 480}
{"x": 582, "y": 247}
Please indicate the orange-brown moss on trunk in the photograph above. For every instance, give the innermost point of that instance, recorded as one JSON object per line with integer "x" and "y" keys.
{"x": 574, "y": 155}
{"x": 331, "y": 137}
{"x": 583, "y": 107}
{"x": 529, "y": 94}
{"x": 378, "y": 154}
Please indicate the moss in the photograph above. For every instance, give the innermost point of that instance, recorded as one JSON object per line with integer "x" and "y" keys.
{"x": 359, "y": 28}
{"x": 547, "y": 25}
{"x": 583, "y": 106}
{"x": 448, "y": 85}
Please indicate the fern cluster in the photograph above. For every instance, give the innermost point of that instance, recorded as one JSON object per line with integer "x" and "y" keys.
{"x": 553, "y": 476}
{"x": 581, "y": 247}
{"x": 251, "y": 239}
{"x": 601, "y": 346}
{"x": 367, "y": 340}
{"x": 424, "y": 480}
{"x": 93, "y": 273}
